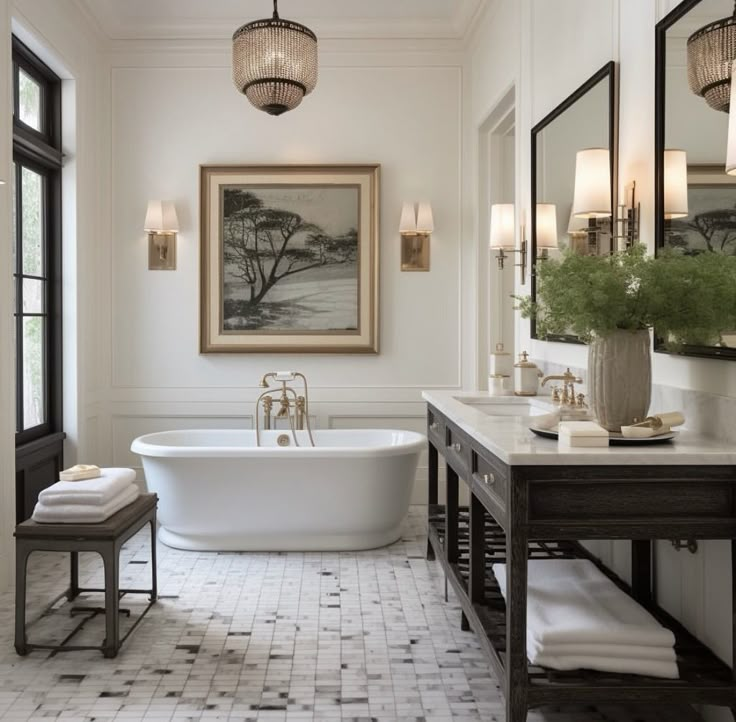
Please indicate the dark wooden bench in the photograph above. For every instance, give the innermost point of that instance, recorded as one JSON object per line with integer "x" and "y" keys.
{"x": 107, "y": 539}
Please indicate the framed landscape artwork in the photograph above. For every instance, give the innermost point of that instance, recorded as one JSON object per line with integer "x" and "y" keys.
{"x": 289, "y": 259}
{"x": 711, "y": 221}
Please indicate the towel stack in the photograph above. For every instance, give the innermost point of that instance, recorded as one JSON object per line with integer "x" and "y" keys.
{"x": 577, "y": 618}
{"x": 87, "y": 502}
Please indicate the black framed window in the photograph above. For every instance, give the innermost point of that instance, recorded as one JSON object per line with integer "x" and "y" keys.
{"x": 37, "y": 161}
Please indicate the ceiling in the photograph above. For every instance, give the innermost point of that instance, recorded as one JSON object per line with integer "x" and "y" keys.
{"x": 210, "y": 19}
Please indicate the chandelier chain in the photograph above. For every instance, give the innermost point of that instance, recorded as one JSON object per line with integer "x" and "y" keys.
{"x": 276, "y": 9}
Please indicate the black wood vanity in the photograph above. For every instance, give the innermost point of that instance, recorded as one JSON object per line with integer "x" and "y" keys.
{"x": 529, "y": 500}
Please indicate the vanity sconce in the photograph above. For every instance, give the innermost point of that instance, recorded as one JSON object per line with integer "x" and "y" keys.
{"x": 503, "y": 237}
{"x": 675, "y": 184}
{"x": 546, "y": 230}
{"x": 415, "y": 227}
{"x": 592, "y": 196}
{"x": 592, "y": 201}
{"x": 162, "y": 225}
{"x": 627, "y": 222}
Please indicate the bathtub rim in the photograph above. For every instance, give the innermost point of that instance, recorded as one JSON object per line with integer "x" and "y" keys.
{"x": 415, "y": 443}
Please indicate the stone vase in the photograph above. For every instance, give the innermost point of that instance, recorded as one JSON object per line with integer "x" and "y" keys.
{"x": 620, "y": 378}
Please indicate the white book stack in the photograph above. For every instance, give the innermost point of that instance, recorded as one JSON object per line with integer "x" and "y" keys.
{"x": 577, "y": 434}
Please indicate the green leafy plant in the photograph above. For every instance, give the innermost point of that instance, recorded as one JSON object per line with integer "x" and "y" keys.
{"x": 688, "y": 299}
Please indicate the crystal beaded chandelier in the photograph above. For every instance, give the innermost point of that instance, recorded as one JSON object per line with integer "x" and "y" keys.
{"x": 710, "y": 55}
{"x": 274, "y": 62}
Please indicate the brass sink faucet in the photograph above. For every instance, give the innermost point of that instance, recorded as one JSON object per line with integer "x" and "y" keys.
{"x": 568, "y": 397}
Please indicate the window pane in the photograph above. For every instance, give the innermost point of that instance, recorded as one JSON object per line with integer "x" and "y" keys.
{"x": 29, "y": 100}
{"x": 32, "y": 219}
{"x": 33, "y": 291}
{"x": 33, "y": 381}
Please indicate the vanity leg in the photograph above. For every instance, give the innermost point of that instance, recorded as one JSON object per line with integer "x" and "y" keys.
{"x": 451, "y": 521}
{"x": 641, "y": 570}
{"x": 733, "y": 616}
{"x": 433, "y": 491}
{"x": 517, "y": 549}
{"x": 476, "y": 590}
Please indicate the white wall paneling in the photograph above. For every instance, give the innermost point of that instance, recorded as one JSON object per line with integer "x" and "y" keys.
{"x": 375, "y": 102}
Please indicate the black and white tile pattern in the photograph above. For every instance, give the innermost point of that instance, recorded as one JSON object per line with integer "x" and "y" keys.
{"x": 284, "y": 636}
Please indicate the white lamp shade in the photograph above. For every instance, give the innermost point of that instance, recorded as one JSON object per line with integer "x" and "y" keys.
{"x": 503, "y": 226}
{"x": 592, "y": 197}
{"x": 731, "y": 151}
{"x": 161, "y": 217}
{"x": 425, "y": 221}
{"x": 408, "y": 222}
{"x": 675, "y": 184}
{"x": 546, "y": 225}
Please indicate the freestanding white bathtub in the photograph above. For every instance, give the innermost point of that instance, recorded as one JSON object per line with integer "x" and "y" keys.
{"x": 219, "y": 491}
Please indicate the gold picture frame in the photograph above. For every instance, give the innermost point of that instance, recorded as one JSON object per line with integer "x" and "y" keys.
{"x": 289, "y": 259}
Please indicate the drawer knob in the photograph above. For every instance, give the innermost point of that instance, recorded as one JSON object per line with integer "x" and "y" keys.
{"x": 489, "y": 479}
{"x": 458, "y": 447}
{"x": 433, "y": 426}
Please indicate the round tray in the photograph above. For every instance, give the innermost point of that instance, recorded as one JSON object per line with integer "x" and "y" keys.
{"x": 614, "y": 439}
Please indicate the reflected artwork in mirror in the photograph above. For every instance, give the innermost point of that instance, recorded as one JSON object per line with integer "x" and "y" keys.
{"x": 573, "y": 176}
{"x": 695, "y": 196}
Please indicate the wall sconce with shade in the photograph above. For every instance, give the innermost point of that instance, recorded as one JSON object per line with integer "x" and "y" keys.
{"x": 415, "y": 227}
{"x": 592, "y": 201}
{"x": 503, "y": 237}
{"x": 546, "y": 229}
{"x": 592, "y": 195}
{"x": 162, "y": 226}
{"x": 675, "y": 184}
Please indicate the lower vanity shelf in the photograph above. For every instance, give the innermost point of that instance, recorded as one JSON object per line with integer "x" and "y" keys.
{"x": 702, "y": 674}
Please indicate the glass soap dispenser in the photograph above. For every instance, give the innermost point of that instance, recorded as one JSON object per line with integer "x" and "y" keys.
{"x": 526, "y": 376}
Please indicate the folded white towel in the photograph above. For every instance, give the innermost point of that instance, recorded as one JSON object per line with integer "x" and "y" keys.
{"x": 625, "y": 651}
{"x": 617, "y": 665}
{"x": 570, "y": 602}
{"x": 84, "y": 513}
{"x": 97, "y": 491}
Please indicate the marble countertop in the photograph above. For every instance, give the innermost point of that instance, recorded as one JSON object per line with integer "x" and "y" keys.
{"x": 504, "y": 431}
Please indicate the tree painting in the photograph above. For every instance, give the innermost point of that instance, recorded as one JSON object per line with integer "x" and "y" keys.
{"x": 711, "y": 224}
{"x": 290, "y": 258}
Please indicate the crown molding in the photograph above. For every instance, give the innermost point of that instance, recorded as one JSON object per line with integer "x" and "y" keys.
{"x": 170, "y": 28}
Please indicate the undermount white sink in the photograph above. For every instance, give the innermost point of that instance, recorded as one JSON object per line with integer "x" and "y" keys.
{"x": 504, "y": 405}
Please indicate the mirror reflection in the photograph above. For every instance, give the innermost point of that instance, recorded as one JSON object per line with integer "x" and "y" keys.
{"x": 573, "y": 174}
{"x": 696, "y": 194}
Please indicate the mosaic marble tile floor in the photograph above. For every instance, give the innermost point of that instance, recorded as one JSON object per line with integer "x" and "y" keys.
{"x": 335, "y": 636}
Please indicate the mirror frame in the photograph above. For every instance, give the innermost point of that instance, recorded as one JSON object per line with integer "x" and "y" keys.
{"x": 609, "y": 70}
{"x": 660, "y": 49}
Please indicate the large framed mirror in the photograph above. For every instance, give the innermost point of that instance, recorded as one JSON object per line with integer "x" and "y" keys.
{"x": 573, "y": 176}
{"x": 695, "y": 197}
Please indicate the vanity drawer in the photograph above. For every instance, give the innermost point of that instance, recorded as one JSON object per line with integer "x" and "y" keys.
{"x": 436, "y": 429}
{"x": 490, "y": 476}
{"x": 458, "y": 451}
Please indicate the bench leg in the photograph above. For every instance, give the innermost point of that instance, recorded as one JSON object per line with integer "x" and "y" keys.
{"x": 110, "y": 558}
{"x": 154, "y": 573}
{"x": 73, "y": 592}
{"x": 21, "y": 567}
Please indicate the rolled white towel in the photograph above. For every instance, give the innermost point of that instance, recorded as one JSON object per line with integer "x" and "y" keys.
{"x": 96, "y": 492}
{"x": 84, "y": 513}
